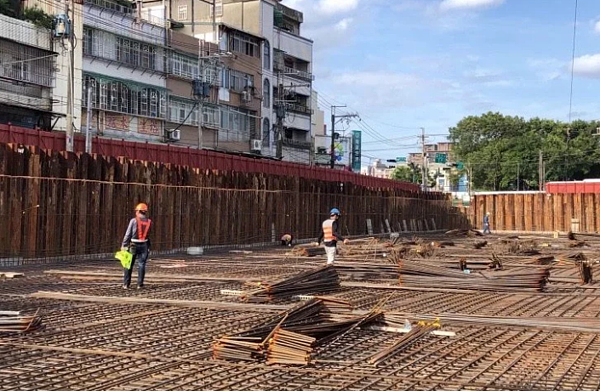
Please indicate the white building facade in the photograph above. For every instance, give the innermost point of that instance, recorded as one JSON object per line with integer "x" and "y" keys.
{"x": 125, "y": 65}
{"x": 286, "y": 65}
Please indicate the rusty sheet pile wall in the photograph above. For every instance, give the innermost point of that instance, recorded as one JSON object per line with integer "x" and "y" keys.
{"x": 55, "y": 204}
{"x": 539, "y": 212}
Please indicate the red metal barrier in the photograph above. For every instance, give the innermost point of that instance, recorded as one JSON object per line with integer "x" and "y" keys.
{"x": 573, "y": 187}
{"x": 192, "y": 157}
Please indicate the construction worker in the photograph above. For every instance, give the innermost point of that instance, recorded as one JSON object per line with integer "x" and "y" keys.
{"x": 137, "y": 242}
{"x": 286, "y": 240}
{"x": 330, "y": 235}
{"x": 486, "y": 224}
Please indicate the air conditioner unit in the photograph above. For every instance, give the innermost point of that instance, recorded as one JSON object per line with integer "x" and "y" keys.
{"x": 256, "y": 145}
{"x": 246, "y": 96}
{"x": 174, "y": 134}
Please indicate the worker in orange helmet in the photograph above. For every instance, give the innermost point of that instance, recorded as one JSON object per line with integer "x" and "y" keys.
{"x": 137, "y": 242}
{"x": 330, "y": 235}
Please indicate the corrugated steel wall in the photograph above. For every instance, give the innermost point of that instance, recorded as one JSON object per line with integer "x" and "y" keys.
{"x": 195, "y": 158}
{"x": 537, "y": 212}
{"x": 56, "y": 204}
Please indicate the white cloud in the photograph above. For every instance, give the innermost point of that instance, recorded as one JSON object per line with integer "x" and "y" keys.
{"x": 336, "y": 6}
{"x": 547, "y": 69}
{"x": 597, "y": 27}
{"x": 386, "y": 89}
{"x": 449, "y": 5}
{"x": 587, "y": 66}
{"x": 488, "y": 77}
{"x": 343, "y": 24}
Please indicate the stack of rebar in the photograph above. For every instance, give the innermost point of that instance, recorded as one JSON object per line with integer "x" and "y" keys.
{"x": 14, "y": 322}
{"x": 322, "y": 280}
{"x": 287, "y": 347}
{"x": 237, "y": 348}
{"x": 416, "y": 274}
{"x": 290, "y": 338}
{"x": 408, "y": 339}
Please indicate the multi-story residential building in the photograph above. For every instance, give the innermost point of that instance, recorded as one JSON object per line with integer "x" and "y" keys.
{"x": 284, "y": 62}
{"x": 240, "y": 90}
{"x": 182, "y": 115}
{"x": 34, "y": 72}
{"x": 125, "y": 66}
{"x": 26, "y": 75}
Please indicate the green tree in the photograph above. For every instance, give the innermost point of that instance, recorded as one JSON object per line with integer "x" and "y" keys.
{"x": 503, "y": 151}
{"x": 37, "y": 17}
{"x": 405, "y": 174}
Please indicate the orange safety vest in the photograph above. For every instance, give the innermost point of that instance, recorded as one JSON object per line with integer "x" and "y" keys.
{"x": 143, "y": 227}
{"x": 328, "y": 231}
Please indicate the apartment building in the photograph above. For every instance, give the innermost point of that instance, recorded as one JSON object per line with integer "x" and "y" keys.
{"x": 34, "y": 72}
{"x": 182, "y": 115}
{"x": 125, "y": 66}
{"x": 26, "y": 75}
{"x": 276, "y": 51}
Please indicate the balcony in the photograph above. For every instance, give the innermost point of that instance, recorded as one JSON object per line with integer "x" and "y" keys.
{"x": 299, "y": 108}
{"x": 120, "y": 6}
{"x": 283, "y": 11}
{"x": 303, "y": 75}
{"x": 297, "y": 144}
{"x": 25, "y": 33}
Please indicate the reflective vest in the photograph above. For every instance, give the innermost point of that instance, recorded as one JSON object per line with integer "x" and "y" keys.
{"x": 328, "y": 231}
{"x": 143, "y": 227}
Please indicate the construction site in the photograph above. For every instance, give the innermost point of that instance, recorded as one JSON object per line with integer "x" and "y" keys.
{"x": 417, "y": 300}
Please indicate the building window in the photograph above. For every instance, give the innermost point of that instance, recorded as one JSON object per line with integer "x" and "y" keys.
{"x": 211, "y": 116}
{"x": 124, "y": 50}
{"x": 183, "y": 66}
{"x": 183, "y": 112}
{"x": 267, "y": 93}
{"x": 267, "y": 56}
{"x": 237, "y": 124}
{"x": 182, "y": 12}
{"x": 236, "y": 80}
{"x": 245, "y": 44}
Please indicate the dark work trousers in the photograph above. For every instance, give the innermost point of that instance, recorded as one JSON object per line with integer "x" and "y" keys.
{"x": 140, "y": 253}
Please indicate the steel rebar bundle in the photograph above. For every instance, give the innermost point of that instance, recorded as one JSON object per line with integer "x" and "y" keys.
{"x": 322, "y": 280}
{"x": 14, "y": 322}
{"x": 397, "y": 347}
{"x": 290, "y": 338}
{"x": 287, "y": 347}
{"x": 417, "y": 274}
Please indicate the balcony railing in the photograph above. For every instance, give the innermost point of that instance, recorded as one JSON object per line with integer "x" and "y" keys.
{"x": 299, "y": 108}
{"x": 296, "y": 144}
{"x": 122, "y": 6}
{"x": 298, "y": 73}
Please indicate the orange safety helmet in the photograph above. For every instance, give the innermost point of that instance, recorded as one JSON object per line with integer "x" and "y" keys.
{"x": 141, "y": 208}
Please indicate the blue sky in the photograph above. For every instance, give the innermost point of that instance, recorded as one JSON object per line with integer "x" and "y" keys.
{"x": 406, "y": 64}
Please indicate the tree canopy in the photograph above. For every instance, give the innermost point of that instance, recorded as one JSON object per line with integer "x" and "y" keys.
{"x": 502, "y": 152}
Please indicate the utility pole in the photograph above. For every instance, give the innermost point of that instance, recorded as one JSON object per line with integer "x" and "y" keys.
{"x": 280, "y": 113}
{"x": 541, "y": 171}
{"x": 334, "y": 119}
{"x": 88, "y": 138}
{"x": 518, "y": 174}
{"x": 424, "y": 161}
{"x": 70, "y": 6}
{"x": 200, "y": 103}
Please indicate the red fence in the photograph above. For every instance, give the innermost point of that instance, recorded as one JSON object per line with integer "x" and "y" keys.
{"x": 573, "y": 187}
{"x": 193, "y": 158}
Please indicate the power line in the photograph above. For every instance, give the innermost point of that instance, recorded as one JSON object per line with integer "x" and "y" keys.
{"x": 573, "y": 62}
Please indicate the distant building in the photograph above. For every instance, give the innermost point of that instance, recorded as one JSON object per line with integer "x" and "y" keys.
{"x": 125, "y": 66}
{"x": 34, "y": 74}
{"x": 266, "y": 38}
